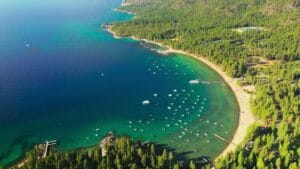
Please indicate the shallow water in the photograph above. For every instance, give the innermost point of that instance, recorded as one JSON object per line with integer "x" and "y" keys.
{"x": 63, "y": 77}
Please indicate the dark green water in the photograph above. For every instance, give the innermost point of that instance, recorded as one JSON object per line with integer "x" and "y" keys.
{"x": 62, "y": 77}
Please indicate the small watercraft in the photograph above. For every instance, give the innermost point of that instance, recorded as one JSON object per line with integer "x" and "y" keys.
{"x": 194, "y": 81}
{"x": 145, "y": 102}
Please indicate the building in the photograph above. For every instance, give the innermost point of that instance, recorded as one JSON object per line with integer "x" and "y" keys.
{"x": 108, "y": 141}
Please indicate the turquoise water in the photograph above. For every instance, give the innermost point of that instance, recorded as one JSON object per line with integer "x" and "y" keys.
{"x": 63, "y": 77}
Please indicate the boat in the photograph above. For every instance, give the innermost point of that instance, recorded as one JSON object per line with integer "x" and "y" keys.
{"x": 196, "y": 81}
{"x": 145, "y": 102}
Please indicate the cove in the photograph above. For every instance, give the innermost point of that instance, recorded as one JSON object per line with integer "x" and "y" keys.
{"x": 63, "y": 77}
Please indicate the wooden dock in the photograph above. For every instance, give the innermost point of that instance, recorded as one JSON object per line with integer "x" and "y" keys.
{"x": 224, "y": 139}
{"x": 48, "y": 144}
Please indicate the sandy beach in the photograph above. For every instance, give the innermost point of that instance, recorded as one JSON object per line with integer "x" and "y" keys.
{"x": 246, "y": 118}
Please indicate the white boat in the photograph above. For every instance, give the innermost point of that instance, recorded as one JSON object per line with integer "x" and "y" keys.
{"x": 145, "y": 102}
{"x": 196, "y": 81}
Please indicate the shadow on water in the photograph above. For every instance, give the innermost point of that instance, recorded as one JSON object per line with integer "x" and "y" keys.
{"x": 22, "y": 141}
{"x": 183, "y": 158}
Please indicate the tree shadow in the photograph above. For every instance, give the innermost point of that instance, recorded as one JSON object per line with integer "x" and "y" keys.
{"x": 183, "y": 157}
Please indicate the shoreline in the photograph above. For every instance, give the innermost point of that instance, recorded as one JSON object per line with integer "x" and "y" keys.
{"x": 246, "y": 118}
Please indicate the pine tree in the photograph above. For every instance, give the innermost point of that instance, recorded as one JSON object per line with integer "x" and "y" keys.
{"x": 192, "y": 165}
{"x": 171, "y": 159}
{"x": 133, "y": 166}
{"x": 176, "y": 166}
{"x": 152, "y": 149}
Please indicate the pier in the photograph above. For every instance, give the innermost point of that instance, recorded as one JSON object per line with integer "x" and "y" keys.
{"x": 224, "y": 139}
{"x": 47, "y": 145}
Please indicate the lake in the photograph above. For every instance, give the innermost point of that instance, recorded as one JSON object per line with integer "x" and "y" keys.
{"x": 63, "y": 77}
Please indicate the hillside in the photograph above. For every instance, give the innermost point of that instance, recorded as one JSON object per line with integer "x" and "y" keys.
{"x": 232, "y": 33}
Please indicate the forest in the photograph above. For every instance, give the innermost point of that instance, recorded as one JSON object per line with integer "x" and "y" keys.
{"x": 276, "y": 144}
{"x": 209, "y": 28}
{"x": 123, "y": 154}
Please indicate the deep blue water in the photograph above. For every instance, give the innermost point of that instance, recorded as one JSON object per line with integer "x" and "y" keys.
{"x": 63, "y": 77}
